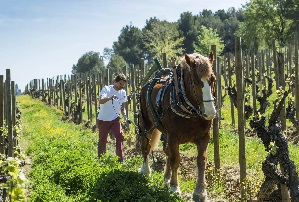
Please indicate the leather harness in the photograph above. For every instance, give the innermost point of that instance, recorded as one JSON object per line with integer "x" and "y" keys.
{"x": 179, "y": 102}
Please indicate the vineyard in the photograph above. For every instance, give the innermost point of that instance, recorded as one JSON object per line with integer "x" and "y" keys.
{"x": 253, "y": 155}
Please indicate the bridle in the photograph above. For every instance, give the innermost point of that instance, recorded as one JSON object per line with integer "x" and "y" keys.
{"x": 181, "y": 102}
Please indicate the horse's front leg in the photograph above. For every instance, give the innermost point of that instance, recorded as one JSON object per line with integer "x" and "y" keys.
{"x": 167, "y": 170}
{"x": 174, "y": 162}
{"x": 200, "y": 192}
{"x": 145, "y": 148}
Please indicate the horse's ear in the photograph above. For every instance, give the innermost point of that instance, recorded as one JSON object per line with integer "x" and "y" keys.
{"x": 188, "y": 59}
{"x": 211, "y": 57}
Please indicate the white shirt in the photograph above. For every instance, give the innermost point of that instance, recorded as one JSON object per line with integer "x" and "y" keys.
{"x": 109, "y": 110}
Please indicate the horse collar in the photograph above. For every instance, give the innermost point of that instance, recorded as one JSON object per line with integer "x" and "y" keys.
{"x": 180, "y": 104}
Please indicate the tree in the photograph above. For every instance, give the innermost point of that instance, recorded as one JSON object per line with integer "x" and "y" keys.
{"x": 89, "y": 62}
{"x": 266, "y": 20}
{"x": 231, "y": 25}
{"x": 208, "y": 19}
{"x": 116, "y": 64}
{"x": 188, "y": 26}
{"x": 292, "y": 6}
{"x": 208, "y": 37}
{"x": 129, "y": 44}
{"x": 162, "y": 37}
{"x": 107, "y": 53}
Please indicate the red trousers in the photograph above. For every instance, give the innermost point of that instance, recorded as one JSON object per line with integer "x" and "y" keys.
{"x": 116, "y": 129}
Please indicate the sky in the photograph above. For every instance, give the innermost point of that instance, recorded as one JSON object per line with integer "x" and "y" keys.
{"x": 42, "y": 39}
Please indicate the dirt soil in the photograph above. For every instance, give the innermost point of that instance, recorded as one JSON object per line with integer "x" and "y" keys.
{"x": 187, "y": 170}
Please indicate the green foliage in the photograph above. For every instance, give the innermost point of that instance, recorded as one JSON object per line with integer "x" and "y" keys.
{"x": 116, "y": 64}
{"x": 208, "y": 37}
{"x": 129, "y": 44}
{"x": 266, "y": 20}
{"x": 89, "y": 62}
{"x": 107, "y": 53}
{"x": 162, "y": 37}
{"x": 65, "y": 166}
{"x": 173, "y": 38}
{"x": 13, "y": 178}
{"x": 16, "y": 181}
{"x": 225, "y": 23}
{"x": 120, "y": 185}
{"x": 189, "y": 26}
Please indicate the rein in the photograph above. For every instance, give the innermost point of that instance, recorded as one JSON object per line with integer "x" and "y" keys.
{"x": 114, "y": 106}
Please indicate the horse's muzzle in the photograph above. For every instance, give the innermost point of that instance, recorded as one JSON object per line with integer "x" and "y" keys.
{"x": 210, "y": 117}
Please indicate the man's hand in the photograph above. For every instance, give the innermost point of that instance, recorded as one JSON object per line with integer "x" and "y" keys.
{"x": 127, "y": 124}
{"x": 113, "y": 97}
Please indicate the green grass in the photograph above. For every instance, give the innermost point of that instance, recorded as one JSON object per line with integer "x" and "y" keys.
{"x": 65, "y": 165}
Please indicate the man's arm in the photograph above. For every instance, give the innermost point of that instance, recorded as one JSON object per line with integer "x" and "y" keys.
{"x": 103, "y": 99}
{"x": 124, "y": 111}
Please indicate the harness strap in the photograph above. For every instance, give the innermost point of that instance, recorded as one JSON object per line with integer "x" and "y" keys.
{"x": 181, "y": 97}
{"x": 149, "y": 101}
{"x": 180, "y": 104}
{"x": 185, "y": 101}
{"x": 180, "y": 101}
{"x": 161, "y": 97}
{"x": 175, "y": 77}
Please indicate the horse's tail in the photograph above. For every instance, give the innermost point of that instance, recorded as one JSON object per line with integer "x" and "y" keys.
{"x": 154, "y": 141}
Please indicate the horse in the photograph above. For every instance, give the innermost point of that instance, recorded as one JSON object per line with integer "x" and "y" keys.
{"x": 178, "y": 104}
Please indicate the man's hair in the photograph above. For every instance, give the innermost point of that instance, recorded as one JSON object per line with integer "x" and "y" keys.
{"x": 120, "y": 77}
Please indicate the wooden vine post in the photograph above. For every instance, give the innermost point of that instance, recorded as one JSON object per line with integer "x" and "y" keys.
{"x": 263, "y": 67}
{"x": 281, "y": 72}
{"x": 1, "y": 113}
{"x": 241, "y": 119}
{"x": 230, "y": 71}
{"x": 281, "y": 84}
{"x": 164, "y": 60}
{"x": 125, "y": 70}
{"x": 95, "y": 84}
{"x": 275, "y": 64}
{"x": 61, "y": 98}
{"x": 13, "y": 114}
{"x": 8, "y": 112}
{"x": 133, "y": 90}
{"x": 219, "y": 91}
{"x": 253, "y": 82}
{"x": 88, "y": 107}
{"x": 80, "y": 99}
{"x": 216, "y": 119}
{"x": 142, "y": 70}
{"x": 296, "y": 75}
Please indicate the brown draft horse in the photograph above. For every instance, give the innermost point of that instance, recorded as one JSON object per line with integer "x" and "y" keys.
{"x": 181, "y": 107}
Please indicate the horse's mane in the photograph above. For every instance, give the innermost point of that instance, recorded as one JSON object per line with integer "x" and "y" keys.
{"x": 204, "y": 67}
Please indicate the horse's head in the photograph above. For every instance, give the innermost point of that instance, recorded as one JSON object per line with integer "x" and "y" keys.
{"x": 202, "y": 67}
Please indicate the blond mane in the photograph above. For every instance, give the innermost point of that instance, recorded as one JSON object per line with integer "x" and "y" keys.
{"x": 202, "y": 64}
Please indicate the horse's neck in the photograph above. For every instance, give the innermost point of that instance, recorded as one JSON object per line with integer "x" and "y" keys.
{"x": 191, "y": 86}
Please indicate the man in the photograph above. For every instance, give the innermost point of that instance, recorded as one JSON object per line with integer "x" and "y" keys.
{"x": 112, "y": 99}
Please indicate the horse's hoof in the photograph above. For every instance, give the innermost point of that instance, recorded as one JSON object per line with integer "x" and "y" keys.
{"x": 145, "y": 170}
{"x": 196, "y": 199}
{"x": 199, "y": 199}
{"x": 175, "y": 190}
{"x": 166, "y": 183}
